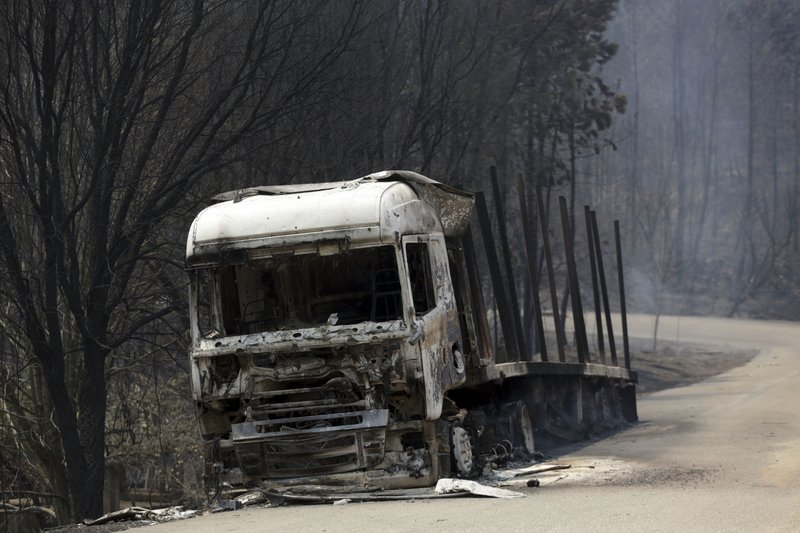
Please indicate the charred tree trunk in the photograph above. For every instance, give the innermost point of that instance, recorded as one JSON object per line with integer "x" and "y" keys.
{"x": 92, "y": 404}
{"x": 678, "y": 103}
{"x": 633, "y": 175}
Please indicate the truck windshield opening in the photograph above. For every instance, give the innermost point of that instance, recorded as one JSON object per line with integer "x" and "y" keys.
{"x": 297, "y": 291}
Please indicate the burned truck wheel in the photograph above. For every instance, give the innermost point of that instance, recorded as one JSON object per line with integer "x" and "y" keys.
{"x": 522, "y": 428}
{"x": 463, "y": 456}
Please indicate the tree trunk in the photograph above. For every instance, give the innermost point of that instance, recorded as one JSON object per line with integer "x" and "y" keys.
{"x": 709, "y": 155}
{"x": 678, "y": 93}
{"x": 92, "y": 404}
{"x": 65, "y": 416}
{"x": 633, "y": 176}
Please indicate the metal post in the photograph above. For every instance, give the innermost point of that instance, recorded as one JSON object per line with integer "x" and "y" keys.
{"x": 530, "y": 248}
{"x": 601, "y": 272}
{"x": 561, "y": 340}
{"x": 503, "y": 307}
{"x": 519, "y": 338}
{"x": 574, "y": 289}
{"x": 595, "y": 289}
{"x": 622, "y": 307}
{"x": 476, "y": 295}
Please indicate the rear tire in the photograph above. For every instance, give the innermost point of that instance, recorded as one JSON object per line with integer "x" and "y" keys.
{"x": 523, "y": 429}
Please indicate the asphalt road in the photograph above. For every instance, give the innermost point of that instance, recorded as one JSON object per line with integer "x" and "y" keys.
{"x": 720, "y": 455}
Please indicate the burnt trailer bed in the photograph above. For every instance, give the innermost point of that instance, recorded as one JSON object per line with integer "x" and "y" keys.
{"x": 340, "y": 336}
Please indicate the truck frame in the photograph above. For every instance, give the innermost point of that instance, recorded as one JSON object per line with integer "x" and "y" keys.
{"x": 339, "y": 336}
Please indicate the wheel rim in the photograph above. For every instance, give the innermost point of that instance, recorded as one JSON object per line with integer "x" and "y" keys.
{"x": 462, "y": 451}
{"x": 525, "y": 429}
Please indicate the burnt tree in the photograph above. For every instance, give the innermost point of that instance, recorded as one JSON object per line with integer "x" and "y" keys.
{"x": 111, "y": 116}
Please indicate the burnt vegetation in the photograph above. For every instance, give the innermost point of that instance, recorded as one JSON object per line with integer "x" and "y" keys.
{"x": 118, "y": 120}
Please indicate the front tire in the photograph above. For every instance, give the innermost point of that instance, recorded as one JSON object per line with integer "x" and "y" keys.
{"x": 462, "y": 451}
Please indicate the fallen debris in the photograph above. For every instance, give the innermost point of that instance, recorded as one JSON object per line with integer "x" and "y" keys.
{"x": 140, "y": 513}
{"x": 253, "y": 497}
{"x": 447, "y": 487}
{"x": 277, "y": 498}
{"x": 529, "y": 470}
{"x": 451, "y": 485}
{"x": 226, "y": 505}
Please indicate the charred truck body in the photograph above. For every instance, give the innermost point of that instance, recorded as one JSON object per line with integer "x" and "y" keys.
{"x": 334, "y": 338}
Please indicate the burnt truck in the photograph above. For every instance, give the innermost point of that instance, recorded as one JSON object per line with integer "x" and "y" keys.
{"x": 338, "y": 336}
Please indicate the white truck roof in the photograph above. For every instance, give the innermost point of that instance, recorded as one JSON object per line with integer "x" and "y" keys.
{"x": 377, "y": 208}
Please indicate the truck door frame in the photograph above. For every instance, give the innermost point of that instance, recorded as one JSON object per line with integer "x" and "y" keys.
{"x": 436, "y": 330}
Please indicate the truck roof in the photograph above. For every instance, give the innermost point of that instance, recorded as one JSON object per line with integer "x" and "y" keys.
{"x": 375, "y": 208}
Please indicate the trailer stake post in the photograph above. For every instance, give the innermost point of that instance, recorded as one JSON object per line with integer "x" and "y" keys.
{"x": 595, "y": 289}
{"x": 519, "y": 338}
{"x": 503, "y": 307}
{"x": 604, "y": 288}
{"x": 574, "y": 289}
{"x": 623, "y": 310}
{"x": 476, "y": 295}
{"x": 551, "y": 278}
{"x": 530, "y": 247}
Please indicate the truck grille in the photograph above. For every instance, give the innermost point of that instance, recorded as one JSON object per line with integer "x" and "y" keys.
{"x": 344, "y": 442}
{"x": 292, "y": 448}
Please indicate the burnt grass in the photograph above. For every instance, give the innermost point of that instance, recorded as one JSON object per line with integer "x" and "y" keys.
{"x": 676, "y": 365}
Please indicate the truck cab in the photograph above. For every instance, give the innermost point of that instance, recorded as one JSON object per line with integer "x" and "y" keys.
{"x": 326, "y": 332}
